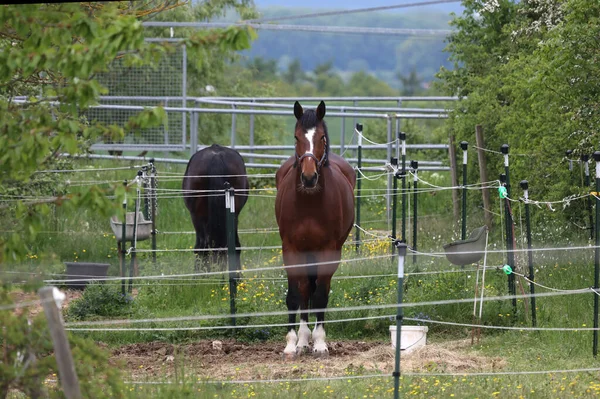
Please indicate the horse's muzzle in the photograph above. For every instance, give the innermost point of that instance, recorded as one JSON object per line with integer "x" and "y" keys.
{"x": 309, "y": 182}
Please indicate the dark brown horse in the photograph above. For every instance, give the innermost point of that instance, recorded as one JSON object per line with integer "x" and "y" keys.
{"x": 315, "y": 214}
{"x": 207, "y": 171}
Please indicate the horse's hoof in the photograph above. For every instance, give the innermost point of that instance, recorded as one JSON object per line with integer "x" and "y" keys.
{"x": 289, "y": 356}
{"x": 301, "y": 350}
{"x": 321, "y": 353}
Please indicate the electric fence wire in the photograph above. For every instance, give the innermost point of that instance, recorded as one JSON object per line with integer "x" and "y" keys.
{"x": 327, "y": 310}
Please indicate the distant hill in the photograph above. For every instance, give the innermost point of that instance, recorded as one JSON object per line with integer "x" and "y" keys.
{"x": 352, "y": 4}
{"x": 382, "y": 56}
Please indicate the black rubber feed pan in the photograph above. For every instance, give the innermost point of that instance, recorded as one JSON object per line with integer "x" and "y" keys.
{"x": 467, "y": 251}
{"x": 88, "y": 272}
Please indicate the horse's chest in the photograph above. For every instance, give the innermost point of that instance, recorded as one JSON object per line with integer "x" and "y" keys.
{"x": 311, "y": 226}
{"x": 310, "y": 231}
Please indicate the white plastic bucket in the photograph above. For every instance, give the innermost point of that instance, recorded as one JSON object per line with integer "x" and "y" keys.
{"x": 412, "y": 337}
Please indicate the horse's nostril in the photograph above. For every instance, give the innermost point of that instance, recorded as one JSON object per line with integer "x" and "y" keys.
{"x": 309, "y": 181}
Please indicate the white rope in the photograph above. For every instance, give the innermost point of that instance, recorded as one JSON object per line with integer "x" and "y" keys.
{"x": 199, "y": 328}
{"x": 215, "y": 273}
{"x": 418, "y": 320}
{"x": 378, "y": 237}
{"x": 538, "y": 284}
{"x": 369, "y": 376}
{"x": 499, "y": 153}
{"x": 565, "y": 201}
{"x": 89, "y": 170}
{"x": 372, "y": 142}
{"x": 502, "y": 251}
{"x": 24, "y": 304}
{"x": 179, "y": 176}
{"x": 488, "y": 374}
{"x": 328, "y": 310}
{"x": 372, "y": 178}
{"x": 475, "y": 186}
{"x": 221, "y": 382}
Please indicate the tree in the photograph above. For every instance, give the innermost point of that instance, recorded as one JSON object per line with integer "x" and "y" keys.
{"x": 50, "y": 55}
{"x": 294, "y": 73}
{"x": 263, "y": 69}
{"x": 411, "y": 84}
{"x": 364, "y": 84}
{"x": 53, "y": 52}
{"x": 528, "y": 71}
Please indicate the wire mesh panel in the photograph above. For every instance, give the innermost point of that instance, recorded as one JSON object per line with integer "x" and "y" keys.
{"x": 165, "y": 79}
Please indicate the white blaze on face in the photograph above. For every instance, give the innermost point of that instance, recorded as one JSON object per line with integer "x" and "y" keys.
{"x": 310, "y": 134}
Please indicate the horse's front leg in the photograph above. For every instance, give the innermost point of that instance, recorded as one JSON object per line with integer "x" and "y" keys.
{"x": 293, "y": 302}
{"x": 320, "y": 299}
{"x": 303, "y": 331}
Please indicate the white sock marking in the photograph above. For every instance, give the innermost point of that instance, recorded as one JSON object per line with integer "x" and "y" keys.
{"x": 291, "y": 339}
{"x": 303, "y": 334}
{"x": 318, "y": 336}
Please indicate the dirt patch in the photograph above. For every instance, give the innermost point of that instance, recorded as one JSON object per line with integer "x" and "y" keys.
{"x": 19, "y": 296}
{"x": 450, "y": 357}
{"x": 229, "y": 359}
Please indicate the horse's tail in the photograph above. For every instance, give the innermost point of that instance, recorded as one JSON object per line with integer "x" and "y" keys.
{"x": 217, "y": 225}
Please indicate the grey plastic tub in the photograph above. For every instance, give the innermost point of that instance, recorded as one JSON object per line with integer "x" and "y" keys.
{"x": 88, "y": 272}
{"x": 469, "y": 251}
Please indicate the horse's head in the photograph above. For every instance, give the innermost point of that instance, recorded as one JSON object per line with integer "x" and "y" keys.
{"x": 312, "y": 143}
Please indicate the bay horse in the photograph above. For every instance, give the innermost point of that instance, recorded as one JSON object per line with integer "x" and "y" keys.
{"x": 314, "y": 208}
{"x": 206, "y": 172}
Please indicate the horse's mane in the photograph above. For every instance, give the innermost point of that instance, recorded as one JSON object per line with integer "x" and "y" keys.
{"x": 309, "y": 121}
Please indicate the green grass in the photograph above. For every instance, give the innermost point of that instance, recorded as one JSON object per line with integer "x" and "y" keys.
{"x": 85, "y": 237}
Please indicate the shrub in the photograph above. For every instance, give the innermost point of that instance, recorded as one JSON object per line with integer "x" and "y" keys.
{"x": 100, "y": 300}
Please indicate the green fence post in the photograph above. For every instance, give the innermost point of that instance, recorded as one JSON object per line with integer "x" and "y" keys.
{"x": 399, "y": 315}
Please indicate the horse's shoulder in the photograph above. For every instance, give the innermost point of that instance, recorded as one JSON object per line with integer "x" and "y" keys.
{"x": 283, "y": 171}
{"x": 344, "y": 168}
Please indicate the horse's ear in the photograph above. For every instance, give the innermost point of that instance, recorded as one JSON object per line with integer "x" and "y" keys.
{"x": 298, "y": 111}
{"x": 321, "y": 111}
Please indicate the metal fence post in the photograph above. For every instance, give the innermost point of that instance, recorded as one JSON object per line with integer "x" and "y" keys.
{"x": 525, "y": 187}
{"x": 359, "y": 129}
{"x": 509, "y": 231}
{"x": 586, "y": 169}
{"x": 343, "y": 133}
{"x": 402, "y": 136}
{"x": 252, "y": 131}
{"x": 388, "y": 197}
{"x": 415, "y": 165}
{"x": 394, "y": 163}
{"x": 464, "y": 145}
{"x": 153, "y": 204}
{"x": 51, "y": 301}
{"x": 184, "y": 91}
{"x": 399, "y": 316}
{"x": 231, "y": 250}
{"x": 596, "y": 157}
{"x": 134, "y": 238}
{"x": 123, "y": 242}
{"x": 233, "y": 127}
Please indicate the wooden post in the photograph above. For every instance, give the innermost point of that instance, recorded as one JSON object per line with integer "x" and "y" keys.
{"x": 50, "y": 297}
{"x": 487, "y": 205}
{"x": 454, "y": 179}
